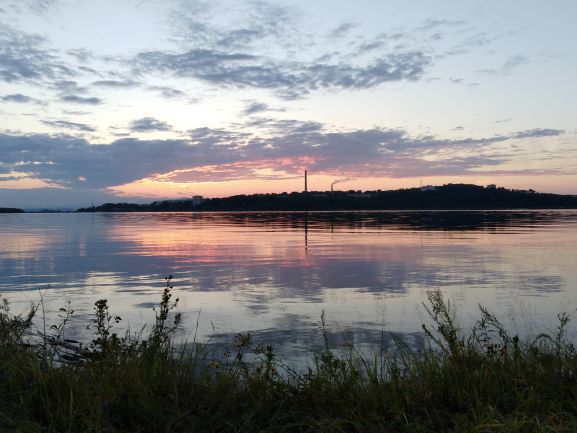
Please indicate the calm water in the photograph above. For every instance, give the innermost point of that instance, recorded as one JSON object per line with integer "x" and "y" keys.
{"x": 274, "y": 273}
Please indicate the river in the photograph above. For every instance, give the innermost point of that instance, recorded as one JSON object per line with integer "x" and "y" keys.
{"x": 274, "y": 274}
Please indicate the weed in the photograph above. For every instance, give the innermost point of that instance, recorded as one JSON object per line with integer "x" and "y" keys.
{"x": 483, "y": 381}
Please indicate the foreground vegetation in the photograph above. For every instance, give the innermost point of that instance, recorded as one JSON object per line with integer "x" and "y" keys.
{"x": 487, "y": 381}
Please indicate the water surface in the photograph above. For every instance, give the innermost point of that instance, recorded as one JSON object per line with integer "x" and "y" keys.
{"x": 274, "y": 273}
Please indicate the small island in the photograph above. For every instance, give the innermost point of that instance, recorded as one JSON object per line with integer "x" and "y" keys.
{"x": 446, "y": 197}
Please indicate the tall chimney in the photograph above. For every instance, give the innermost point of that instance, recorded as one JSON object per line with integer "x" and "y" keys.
{"x": 306, "y": 187}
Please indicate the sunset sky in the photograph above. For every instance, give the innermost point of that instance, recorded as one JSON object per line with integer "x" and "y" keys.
{"x": 136, "y": 100}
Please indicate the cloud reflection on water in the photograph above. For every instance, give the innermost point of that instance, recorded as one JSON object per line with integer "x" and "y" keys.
{"x": 263, "y": 271}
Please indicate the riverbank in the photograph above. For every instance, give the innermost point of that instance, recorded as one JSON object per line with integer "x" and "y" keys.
{"x": 484, "y": 380}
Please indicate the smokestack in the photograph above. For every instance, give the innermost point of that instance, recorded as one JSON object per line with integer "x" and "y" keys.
{"x": 346, "y": 179}
{"x": 306, "y": 187}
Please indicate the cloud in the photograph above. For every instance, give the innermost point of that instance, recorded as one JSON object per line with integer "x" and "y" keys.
{"x": 9, "y": 178}
{"x": 20, "y": 98}
{"x": 513, "y": 62}
{"x": 342, "y": 30}
{"x": 80, "y": 54}
{"x": 261, "y": 45}
{"x": 23, "y": 57}
{"x": 433, "y": 24}
{"x": 68, "y": 87}
{"x": 36, "y": 6}
{"x": 473, "y": 41}
{"x": 264, "y": 46}
{"x": 66, "y": 159}
{"x": 289, "y": 79}
{"x": 116, "y": 84}
{"x": 75, "y": 112}
{"x": 284, "y": 149}
{"x": 536, "y": 133}
{"x": 285, "y": 126}
{"x": 75, "y": 99}
{"x": 149, "y": 124}
{"x": 255, "y": 107}
{"x": 210, "y": 25}
{"x": 69, "y": 125}
{"x": 167, "y": 92}
{"x": 370, "y": 46}
{"x": 509, "y": 65}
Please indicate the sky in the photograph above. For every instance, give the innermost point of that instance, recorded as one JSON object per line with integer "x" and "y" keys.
{"x": 140, "y": 100}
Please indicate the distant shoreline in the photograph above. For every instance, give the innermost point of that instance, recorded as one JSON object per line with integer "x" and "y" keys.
{"x": 450, "y": 197}
{"x": 10, "y": 210}
{"x": 447, "y": 197}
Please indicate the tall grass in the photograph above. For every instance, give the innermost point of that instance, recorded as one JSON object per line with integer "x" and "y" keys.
{"x": 484, "y": 381}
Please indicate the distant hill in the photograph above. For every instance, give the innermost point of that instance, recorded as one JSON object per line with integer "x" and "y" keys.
{"x": 10, "y": 210}
{"x": 446, "y": 197}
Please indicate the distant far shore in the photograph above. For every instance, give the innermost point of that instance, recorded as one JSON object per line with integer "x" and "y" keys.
{"x": 10, "y": 210}
{"x": 446, "y": 197}
{"x": 427, "y": 198}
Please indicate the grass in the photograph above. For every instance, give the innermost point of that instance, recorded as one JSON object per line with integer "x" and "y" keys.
{"x": 485, "y": 381}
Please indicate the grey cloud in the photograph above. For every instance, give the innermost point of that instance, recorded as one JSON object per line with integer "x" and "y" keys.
{"x": 239, "y": 38}
{"x": 223, "y": 52}
{"x": 91, "y": 71}
{"x": 289, "y": 80}
{"x": 68, "y": 87}
{"x": 513, "y": 62}
{"x": 478, "y": 40}
{"x": 255, "y": 107}
{"x": 39, "y": 6}
{"x": 75, "y": 112}
{"x": 370, "y": 46}
{"x": 222, "y": 138}
{"x": 342, "y": 30}
{"x": 149, "y": 124}
{"x": 535, "y": 133}
{"x": 401, "y": 39}
{"x": 20, "y": 7}
{"x": 431, "y": 24}
{"x": 168, "y": 92}
{"x": 63, "y": 160}
{"x": 257, "y": 22}
{"x": 381, "y": 41}
{"x": 23, "y": 57}
{"x": 282, "y": 127}
{"x": 296, "y": 127}
{"x": 69, "y": 125}
{"x": 231, "y": 153}
{"x": 116, "y": 84}
{"x": 75, "y": 99}
{"x": 197, "y": 59}
{"x": 82, "y": 55}
{"x": 471, "y": 42}
{"x": 20, "y": 98}
{"x": 509, "y": 65}
{"x": 118, "y": 132}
